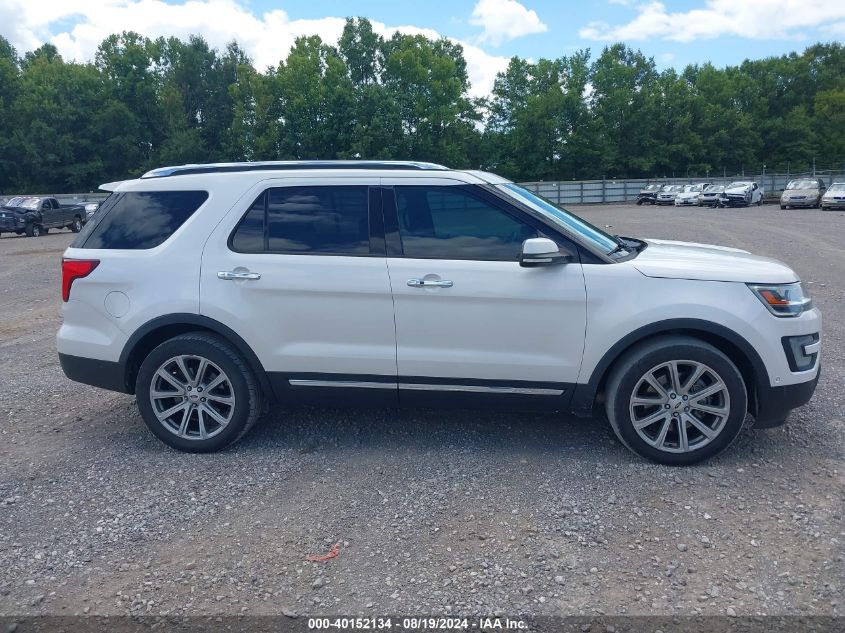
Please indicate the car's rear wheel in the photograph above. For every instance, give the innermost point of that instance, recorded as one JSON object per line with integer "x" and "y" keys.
{"x": 676, "y": 400}
{"x": 196, "y": 393}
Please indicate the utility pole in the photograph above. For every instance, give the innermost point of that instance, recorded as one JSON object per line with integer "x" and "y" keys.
{"x": 814, "y": 165}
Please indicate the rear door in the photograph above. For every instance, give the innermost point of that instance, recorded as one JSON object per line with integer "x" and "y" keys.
{"x": 299, "y": 271}
{"x": 479, "y": 324}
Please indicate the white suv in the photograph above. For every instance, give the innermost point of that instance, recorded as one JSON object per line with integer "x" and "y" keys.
{"x": 212, "y": 291}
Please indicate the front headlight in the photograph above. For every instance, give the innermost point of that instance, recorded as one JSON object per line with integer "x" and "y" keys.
{"x": 783, "y": 300}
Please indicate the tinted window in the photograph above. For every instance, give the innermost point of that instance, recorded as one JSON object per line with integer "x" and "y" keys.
{"x": 331, "y": 220}
{"x": 249, "y": 236}
{"x": 139, "y": 220}
{"x": 449, "y": 222}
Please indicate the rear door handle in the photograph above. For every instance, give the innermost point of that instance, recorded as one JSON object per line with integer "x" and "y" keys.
{"x": 430, "y": 283}
{"x": 231, "y": 275}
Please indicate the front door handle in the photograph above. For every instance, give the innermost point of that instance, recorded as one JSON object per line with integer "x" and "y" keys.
{"x": 430, "y": 283}
{"x": 231, "y": 275}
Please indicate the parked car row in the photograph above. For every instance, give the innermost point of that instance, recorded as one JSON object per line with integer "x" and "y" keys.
{"x": 812, "y": 193}
{"x": 735, "y": 194}
{"x": 34, "y": 216}
{"x": 801, "y": 192}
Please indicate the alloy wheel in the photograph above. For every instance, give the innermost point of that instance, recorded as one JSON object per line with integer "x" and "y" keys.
{"x": 680, "y": 406}
{"x": 192, "y": 397}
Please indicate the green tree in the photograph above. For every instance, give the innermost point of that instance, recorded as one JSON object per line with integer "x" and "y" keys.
{"x": 9, "y": 93}
{"x": 625, "y": 103}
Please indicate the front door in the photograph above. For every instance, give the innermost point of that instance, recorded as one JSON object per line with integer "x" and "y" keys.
{"x": 49, "y": 215}
{"x": 469, "y": 319}
{"x": 296, "y": 274}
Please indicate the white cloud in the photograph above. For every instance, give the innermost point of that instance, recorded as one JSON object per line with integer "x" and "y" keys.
{"x": 754, "y": 19}
{"x": 505, "y": 20}
{"x": 76, "y": 28}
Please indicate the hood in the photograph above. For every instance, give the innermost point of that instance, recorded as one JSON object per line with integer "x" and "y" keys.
{"x": 706, "y": 262}
{"x": 688, "y": 194}
{"x": 789, "y": 193}
{"x": 743, "y": 189}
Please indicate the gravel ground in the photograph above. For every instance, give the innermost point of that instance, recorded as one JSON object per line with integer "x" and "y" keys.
{"x": 436, "y": 513}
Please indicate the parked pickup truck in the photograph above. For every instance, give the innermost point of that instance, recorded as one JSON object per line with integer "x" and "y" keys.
{"x": 35, "y": 216}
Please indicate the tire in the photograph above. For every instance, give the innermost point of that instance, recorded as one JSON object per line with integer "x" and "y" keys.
{"x": 76, "y": 225}
{"x": 240, "y": 387}
{"x": 627, "y": 380}
{"x": 33, "y": 230}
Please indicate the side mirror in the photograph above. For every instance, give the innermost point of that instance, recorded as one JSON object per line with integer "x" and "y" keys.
{"x": 541, "y": 251}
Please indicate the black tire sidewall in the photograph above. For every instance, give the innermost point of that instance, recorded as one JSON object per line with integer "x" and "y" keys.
{"x": 701, "y": 353}
{"x": 220, "y": 355}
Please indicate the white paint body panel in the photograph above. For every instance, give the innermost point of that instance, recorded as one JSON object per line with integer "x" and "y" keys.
{"x": 620, "y": 300}
{"x": 498, "y": 320}
{"x": 307, "y": 313}
{"x": 705, "y": 262}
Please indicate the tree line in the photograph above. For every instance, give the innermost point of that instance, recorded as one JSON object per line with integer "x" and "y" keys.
{"x": 141, "y": 103}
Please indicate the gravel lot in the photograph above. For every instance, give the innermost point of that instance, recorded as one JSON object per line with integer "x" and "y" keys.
{"x": 463, "y": 513}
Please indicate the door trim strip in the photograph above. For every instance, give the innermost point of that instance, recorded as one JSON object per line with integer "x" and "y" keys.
{"x": 295, "y": 382}
{"x": 415, "y": 386}
{"x": 528, "y": 391}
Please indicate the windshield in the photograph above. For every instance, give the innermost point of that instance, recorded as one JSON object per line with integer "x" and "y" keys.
{"x": 652, "y": 188}
{"x": 837, "y": 186}
{"x": 714, "y": 189}
{"x": 603, "y": 241}
{"x": 739, "y": 183}
{"x": 30, "y": 203}
{"x": 693, "y": 188}
{"x": 803, "y": 184}
{"x": 13, "y": 202}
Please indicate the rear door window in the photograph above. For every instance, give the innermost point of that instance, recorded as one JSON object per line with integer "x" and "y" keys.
{"x": 312, "y": 220}
{"x": 138, "y": 220}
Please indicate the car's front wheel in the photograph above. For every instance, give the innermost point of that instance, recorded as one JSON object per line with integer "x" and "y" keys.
{"x": 676, "y": 400}
{"x": 196, "y": 393}
{"x": 76, "y": 225}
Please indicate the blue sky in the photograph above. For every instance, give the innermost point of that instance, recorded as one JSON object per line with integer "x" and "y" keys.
{"x": 566, "y": 20}
{"x": 675, "y": 33}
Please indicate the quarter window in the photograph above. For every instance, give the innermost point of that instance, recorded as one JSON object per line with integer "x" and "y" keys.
{"x": 449, "y": 222}
{"x": 139, "y": 219}
{"x": 330, "y": 220}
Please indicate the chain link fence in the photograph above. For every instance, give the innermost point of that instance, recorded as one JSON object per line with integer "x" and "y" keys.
{"x": 566, "y": 192}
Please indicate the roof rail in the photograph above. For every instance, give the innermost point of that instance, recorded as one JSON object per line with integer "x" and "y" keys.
{"x": 286, "y": 165}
